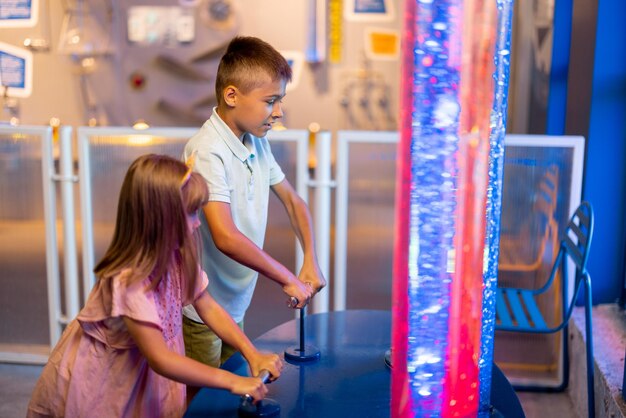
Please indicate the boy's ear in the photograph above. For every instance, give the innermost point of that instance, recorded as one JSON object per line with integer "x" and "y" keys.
{"x": 230, "y": 95}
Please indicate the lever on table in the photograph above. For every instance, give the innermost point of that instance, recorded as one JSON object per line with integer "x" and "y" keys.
{"x": 264, "y": 408}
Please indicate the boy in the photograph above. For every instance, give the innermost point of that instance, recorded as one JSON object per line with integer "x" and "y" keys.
{"x": 235, "y": 158}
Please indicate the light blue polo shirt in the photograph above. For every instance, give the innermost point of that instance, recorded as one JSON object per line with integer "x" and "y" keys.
{"x": 239, "y": 174}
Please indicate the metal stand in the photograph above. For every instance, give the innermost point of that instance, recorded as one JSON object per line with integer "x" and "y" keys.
{"x": 302, "y": 353}
{"x": 388, "y": 358}
{"x": 265, "y": 408}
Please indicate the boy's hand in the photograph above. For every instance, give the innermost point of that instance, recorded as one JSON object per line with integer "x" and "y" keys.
{"x": 310, "y": 273}
{"x": 266, "y": 361}
{"x": 299, "y": 290}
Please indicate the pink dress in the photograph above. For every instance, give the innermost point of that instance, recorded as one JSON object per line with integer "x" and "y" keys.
{"x": 96, "y": 369}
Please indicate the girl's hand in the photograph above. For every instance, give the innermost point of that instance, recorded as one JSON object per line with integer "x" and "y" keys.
{"x": 267, "y": 361}
{"x": 252, "y": 386}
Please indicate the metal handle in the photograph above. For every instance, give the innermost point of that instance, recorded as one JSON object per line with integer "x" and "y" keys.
{"x": 292, "y": 302}
{"x": 264, "y": 375}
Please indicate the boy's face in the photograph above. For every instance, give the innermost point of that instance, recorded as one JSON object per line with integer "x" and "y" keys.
{"x": 257, "y": 110}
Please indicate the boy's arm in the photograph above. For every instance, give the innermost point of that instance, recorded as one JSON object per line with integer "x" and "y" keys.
{"x": 229, "y": 240}
{"x": 225, "y": 327}
{"x": 302, "y": 225}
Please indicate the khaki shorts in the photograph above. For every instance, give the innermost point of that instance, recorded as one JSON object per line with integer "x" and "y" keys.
{"x": 203, "y": 345}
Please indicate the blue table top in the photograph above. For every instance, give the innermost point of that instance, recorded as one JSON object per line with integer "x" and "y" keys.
{"x": 349, "y": 379}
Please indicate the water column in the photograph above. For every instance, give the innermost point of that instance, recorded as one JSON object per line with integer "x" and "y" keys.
{"x": 453, "y": 111}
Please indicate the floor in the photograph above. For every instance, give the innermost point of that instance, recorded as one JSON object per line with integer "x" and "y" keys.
{"x": 16, "y": 385}
{"x": 544, "y": 405}
{"x": 17, "y": 382}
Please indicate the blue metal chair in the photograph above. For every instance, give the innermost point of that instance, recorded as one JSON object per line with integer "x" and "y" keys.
{"x": 517, "y": 309}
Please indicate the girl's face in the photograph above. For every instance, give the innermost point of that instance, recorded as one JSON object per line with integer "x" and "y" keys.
{"x": 193, "y": 221}
{"x": 257, "y": 111}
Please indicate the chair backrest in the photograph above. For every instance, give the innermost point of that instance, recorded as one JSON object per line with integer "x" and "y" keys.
{"x": 545, "y": 200}
{"x": 577, "y": 237}
{"x": 575, "y": 244}
{"x": 548, "y": 190}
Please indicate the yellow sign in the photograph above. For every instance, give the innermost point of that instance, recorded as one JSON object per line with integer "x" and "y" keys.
{"x": 335, "y": 31}
{"x": 382, "y": 44}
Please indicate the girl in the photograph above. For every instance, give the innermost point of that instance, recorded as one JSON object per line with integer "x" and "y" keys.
{"x": 123, "y": 356}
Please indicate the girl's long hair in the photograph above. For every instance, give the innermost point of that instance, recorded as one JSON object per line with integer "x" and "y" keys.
{"x": 151, "y": 232}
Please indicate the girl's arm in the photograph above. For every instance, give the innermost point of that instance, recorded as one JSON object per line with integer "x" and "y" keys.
{"x": 165, "y": 362}
{"x": 224, "y": 326}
